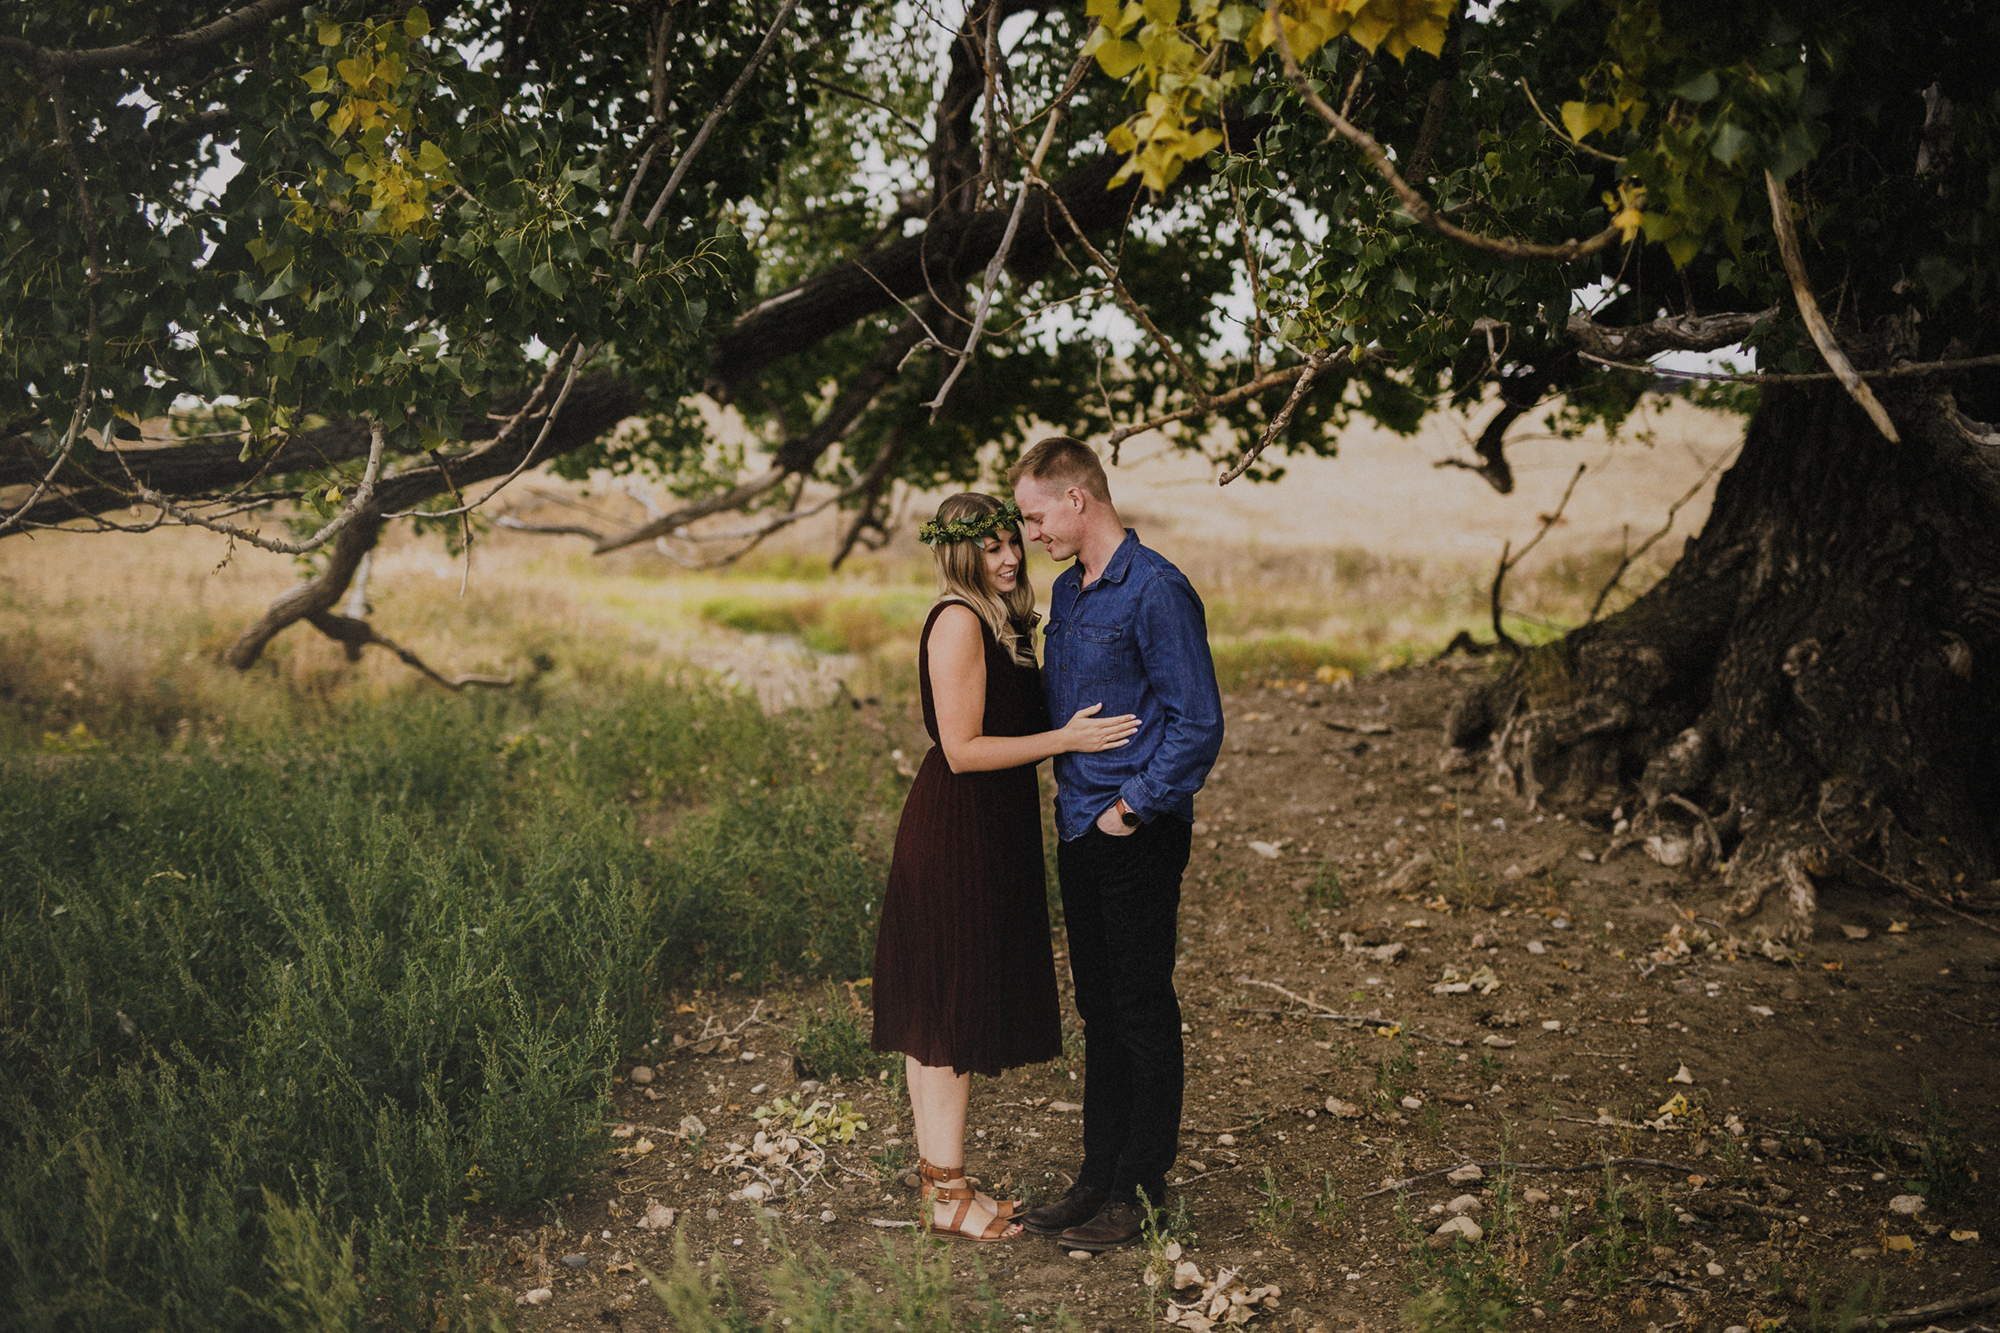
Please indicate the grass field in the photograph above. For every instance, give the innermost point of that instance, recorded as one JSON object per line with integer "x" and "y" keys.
{"x": 299, "y": 963}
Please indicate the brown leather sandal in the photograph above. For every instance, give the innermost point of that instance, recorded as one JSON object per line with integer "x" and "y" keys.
{"x": 1004, "y": 1216}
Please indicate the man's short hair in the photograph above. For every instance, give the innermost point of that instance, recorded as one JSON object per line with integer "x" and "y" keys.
{"x": 1059, "y": 463}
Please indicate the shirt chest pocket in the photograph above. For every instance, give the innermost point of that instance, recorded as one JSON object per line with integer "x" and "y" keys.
{"x": 1101, "y": 652}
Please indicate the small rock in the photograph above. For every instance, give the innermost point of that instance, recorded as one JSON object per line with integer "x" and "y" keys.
{"x": 641, "y": 1074}
{"x": 1552, "y": 1025}
{"x": 1907, "y": 1205}
{"x": 1683, "y": 1076}
{"x": 1537, "y": 947}
{"x": 1269, "y": 851}
{"x": 1499, "y": 1043}
{"x": 1665, "y": 1254}
{"x": 539, "y": 1296}
{"x": 1079, "y": 1255}
{"x": 692, "y": 1128}
{"x": 1532, "y": 1195}
{"x": 1964, "y": 1237}
{"x": 1761, "y": 1010}
{"x": 1466, "y": 1174}
{"x": 1714, "y": 1269}
{"x": 1226, "y": 1140}
{"x": 1465, "y": 1205}
{"x": 658, "y": 1216}
{"x": 575, "y": 1260}
{"x": 1855, "y": 932}
{"x": 1769, "y": 1147}
{"x": 1345, "y": 1110}
{"x": 1413, "y": 1104}
{"x": 1585, "y": 854}
{"x": 1065, "y": 1107}
{"x": 1418, "y": 871}
{"x": 1442, "y": 1238}
{"x": 624, "y": 1300}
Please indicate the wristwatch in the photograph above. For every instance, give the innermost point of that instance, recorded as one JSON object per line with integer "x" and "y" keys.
{"x": 1128, "y": 814}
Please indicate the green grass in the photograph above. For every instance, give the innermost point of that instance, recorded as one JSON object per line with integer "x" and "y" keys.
{"x": 857, "y": 625}
{"x": 277, "y": 1012}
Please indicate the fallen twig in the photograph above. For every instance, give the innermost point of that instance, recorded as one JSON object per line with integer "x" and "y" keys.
{"x": 1313, "y": 1010}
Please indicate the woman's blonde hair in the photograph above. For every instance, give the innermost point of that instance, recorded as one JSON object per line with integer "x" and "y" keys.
{"x": 961, "y": 571}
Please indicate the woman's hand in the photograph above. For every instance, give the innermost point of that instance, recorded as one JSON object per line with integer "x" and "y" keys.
{"x": 1086, "y": 733}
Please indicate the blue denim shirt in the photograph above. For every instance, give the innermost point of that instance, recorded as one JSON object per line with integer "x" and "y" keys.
{"x": 1135, "y": 641}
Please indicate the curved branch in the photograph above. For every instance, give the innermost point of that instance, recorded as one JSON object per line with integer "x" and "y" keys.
{"x": 354, "y": 634}
{"x": 360, "y": 501}
{"x": 158, "y": 50}
{"x": 1315, "y": 364}
{"x": 1822, "y": 335}
{"x": 1506, "y": 247}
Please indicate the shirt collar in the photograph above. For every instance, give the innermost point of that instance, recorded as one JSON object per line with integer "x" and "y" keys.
{"x": 1121, "y": 560}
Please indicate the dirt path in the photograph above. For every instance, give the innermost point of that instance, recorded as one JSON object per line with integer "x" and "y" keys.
{"x": 1520, "y": 999}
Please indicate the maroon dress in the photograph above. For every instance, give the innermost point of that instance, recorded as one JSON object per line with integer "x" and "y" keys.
{"x": 965, "y": 974}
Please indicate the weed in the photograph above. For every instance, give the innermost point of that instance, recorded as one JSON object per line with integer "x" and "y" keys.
{"x": 891, "y": 1163}
{"x": 1866, "y": 1140}
{"x": 1326, "y": 889}
{"x": 1166, "y": 1236}
{"x": 1489, "y": 1065}
{"x": 310, "y": 991}
{"x": 1431, "y": 1121}
{"x": 1329, "y": 1208}
{"x": 1301, "y": 920}
{"x": 1275, "y": 1208}
{"x": 830, "y": 1042}
{"x": 1946, "y": 1179}
{"x": 1396, "y": 1068}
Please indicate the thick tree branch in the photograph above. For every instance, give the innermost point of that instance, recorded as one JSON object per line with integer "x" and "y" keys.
{"x": 354, "y": 634}
{"x": 158, "y": 50}
{"x": 1316, "y": 364}
{"x": 1669, "y": 333}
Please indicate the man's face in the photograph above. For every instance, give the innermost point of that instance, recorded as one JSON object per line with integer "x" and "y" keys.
{"x": 1053, "y": 518}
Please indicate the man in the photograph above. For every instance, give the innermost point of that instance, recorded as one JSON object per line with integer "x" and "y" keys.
{"x": 1125, "y": 630}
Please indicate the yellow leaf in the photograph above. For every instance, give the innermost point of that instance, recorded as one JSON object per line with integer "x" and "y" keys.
{"x": 338, "y": 122}
{"x": 1577, "y": 119}
{"x": 1104, "y": 11}
{"x": 1202, "y": 143}
{"x": 356, "y": 70}
{"x": 1166, "y": 13}
{"x": 1119, "y": 58}
{"x": 431, "y": 158}
{"x": 1674, "y": 1105}
{"x": 1121, "y": 139}
{"x": 329, "y": 34}
{"x": 416, "y": 24}
{"x": 1894, "y": 1244}
{"x": 1629, "y": 220}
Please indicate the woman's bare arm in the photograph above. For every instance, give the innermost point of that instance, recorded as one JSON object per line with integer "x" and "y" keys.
{"x": 958, "y": 693}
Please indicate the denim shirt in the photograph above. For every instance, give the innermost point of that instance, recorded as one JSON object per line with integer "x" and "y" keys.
{"x": 1135, "y": 641}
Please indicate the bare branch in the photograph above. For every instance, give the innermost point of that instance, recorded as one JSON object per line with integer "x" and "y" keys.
{"x": 1627, "y": 561}
{"x": 1230, "y": 398}
{"x": 1506, "y": 247}
{"x": 900, "y": 118}
{"x": 158, "y": 50}
{"x": 1822, "y": 335}
{"x": 1500, "y": 635}
{"x": 1316, "y": 363}
{"x": 998, "y": 264}
{"x": 714, "y": 117}
{"x": 363, "y": 495}
{"x": 513, "y": 524}
{"x": 1669, "y": 333}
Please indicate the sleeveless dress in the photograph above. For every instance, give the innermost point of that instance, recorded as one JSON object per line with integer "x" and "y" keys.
{"x": 965, "y": 973}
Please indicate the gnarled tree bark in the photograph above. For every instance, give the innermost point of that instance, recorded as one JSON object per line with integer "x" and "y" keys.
{"x": 1817, "y": 679}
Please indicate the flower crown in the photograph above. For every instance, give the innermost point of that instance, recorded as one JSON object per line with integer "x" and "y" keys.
{"x": 976, "y": 528}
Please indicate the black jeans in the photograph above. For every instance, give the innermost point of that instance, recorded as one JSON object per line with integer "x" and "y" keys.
{"x": 1121, "y": 904}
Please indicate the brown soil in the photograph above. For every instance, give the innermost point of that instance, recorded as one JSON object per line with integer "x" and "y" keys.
{"x": 1770, "y": 1196}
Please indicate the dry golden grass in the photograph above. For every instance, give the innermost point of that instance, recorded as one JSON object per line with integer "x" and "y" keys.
{"x": 1367, "y": 558}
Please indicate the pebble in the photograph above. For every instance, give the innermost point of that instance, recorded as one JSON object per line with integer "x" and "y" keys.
{"x": 539, "y": 1296}
{"x": 1537, "y": 947}
{"x": 1413, "y": 1104}
{"x": 642, "y": 1074}
{"x": 1226, "y": 1140}
{"x": 1443, "y": 1237}
{"x": 1534, "y": 1196}
{"x": 575, "y": 1260}
{"x": 1907, "y": 1205}
{"x": 1466, "y": 1174}
{"x": 1465, "y": 1205}
{"x": 828, "y": 1217}
{"x": 1714, "y": 1269}
{"x": 1079, "y": 1255}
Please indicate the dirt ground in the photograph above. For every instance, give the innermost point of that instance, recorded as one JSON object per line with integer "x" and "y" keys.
{"x": 1523, "y": 994}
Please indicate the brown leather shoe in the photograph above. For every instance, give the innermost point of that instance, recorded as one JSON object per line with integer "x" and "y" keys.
{"x": 1117, "y": 1223}
{"x": 1078, "y": 1206}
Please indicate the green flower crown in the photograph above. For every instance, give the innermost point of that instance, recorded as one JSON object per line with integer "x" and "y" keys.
{"x": 975, "y": 529}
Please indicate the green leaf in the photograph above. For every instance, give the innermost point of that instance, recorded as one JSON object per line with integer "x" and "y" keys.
{"x": 416, "y": 24}
{"x": 1703, "y": 87}
{"x": 1940, "y": 276}
{"x": 544, "y": 276}
{"x": 1730, "y": 142}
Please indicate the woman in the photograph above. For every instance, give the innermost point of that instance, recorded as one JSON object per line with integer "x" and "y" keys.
{"x": 965, "y": 978}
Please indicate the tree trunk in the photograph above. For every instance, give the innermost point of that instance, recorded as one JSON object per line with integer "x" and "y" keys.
{"x": 1813, "y": 692}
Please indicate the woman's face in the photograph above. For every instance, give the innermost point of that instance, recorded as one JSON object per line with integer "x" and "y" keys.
{"x": 1003, "y": 559}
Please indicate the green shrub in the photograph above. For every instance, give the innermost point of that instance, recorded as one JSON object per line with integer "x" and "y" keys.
{"x": 274, "y": 1015}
